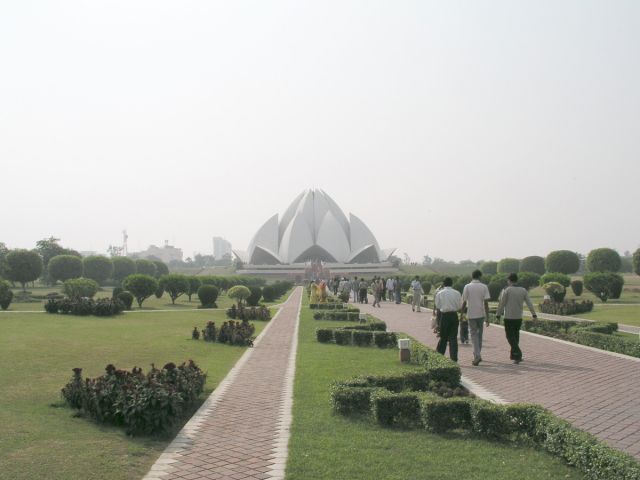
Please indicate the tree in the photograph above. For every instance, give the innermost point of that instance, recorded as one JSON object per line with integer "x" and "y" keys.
{"x": 528, "y": 280}
{"x": 161, "y": 268}
{"x": 49, "y": 248}
{"x": 509, "y": 265}
{"x": 174, "y": 284}
{"x": 603, "y": 260}
{"x": 80, "y": 287}
{"x": 604, "y": 285}
{"x": 427, "y": 260}
{"x": 562, "y": 261}
{"x": 636, "y": 261}
{"x": 98, "y": 268}
{"x": 24, "y": 266}
{"x": 577, "y": 287}
{"x": 489, "y": 268}
{"x": 254, "y": 298}
{"x": 533, "y": 264}
{"x": 122, "y": 268}
{"x": 64, "y": 267}
{"x": 146, "y": 267}
{"x": 194, "y": 285}
{"x": 239, "y": 293}
{"x": 141, "y": 286}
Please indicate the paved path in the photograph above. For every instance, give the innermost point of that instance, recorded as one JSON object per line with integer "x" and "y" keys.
{"x": 596, "y": 391}
{"x": 242, "y": 430}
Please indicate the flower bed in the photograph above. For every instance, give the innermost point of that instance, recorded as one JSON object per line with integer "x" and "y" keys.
{"x": 566, "y": 307}
{"x": 142, "y": 403}
{"x": 232, "y": 333}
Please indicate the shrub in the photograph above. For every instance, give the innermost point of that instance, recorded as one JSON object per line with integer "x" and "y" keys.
{"x": 126, "y": 298}
{"x": 6, "y": 294}
{"x": 460, "y": 282}
{"x": 567, "y": 307}
{"x": 599, "y": 327}
{"x": 122, "y": 268}
{"x": 208, "y": 294}
{"x": 385, "y": 339}
{"x": 349, "y": 400}
{"x": 82, "y": 306}
{"x": 395, "y": 408}
{"x": 269, "y": 293}
{"x": 174, "y": 284}
{"x": 489, "y": 268}
{"x": 116, "y": 291}
{"x": 509, "y": 265}
{"x": 52, "y": 306}
{"x": 495, "y": 288}
{"x": 141, "y": 286}
{"x": 533, "y": 264}
{"x": 439, "y": 367}
{"x": 239, "y": 293}
{"x": 80, "y": 287}
{"x": 146, "y": 267}
{"x": 159, "y": 291}
{"x": 97, "y": 267}
{"x": 324, "y": 335}
{"x": 106, "y": 307}
{"x": 248, "y": 313}
{"x": 342, "y": 337}
{"x": 195, "y": 333}
{"x": 603, "y": 260}
{"x": 604, "y": 285}
{"x": 236, "y": 333}
{"x": 556, "y": 291}
{"x": 194, "y": 285}
{"x": 562, "y": 261}
{"x": 254, "y": 298}
{"x": 161, "y": 268}
{"x": 426, "y": 287}
{"x": 636, "y": 261}
{"x": 610, "y": 343}
{"x": 577, "y": 287}
{"x": 142, "y": 403}
{"x": 362, "y": 338}
{"x": 23, "y": 266}
{"x": 528, "y": 280}
{"x": 64, "y": 267}
{"x": 339, "y": 316}
{"x": 490, "y": 420}
{"x": 561, "y": 278}
{"x": 441, "y": 415}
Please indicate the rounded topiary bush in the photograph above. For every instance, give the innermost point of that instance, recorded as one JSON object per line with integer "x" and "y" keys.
{"x": 64, "y": 267}
{"x": 533, "y": 264}
{"x": 80, "y": 288}
{"x": 6, "y": 294}
{"x": 239, "y": 293}
{"x": 254, "y": 298}
{"x": 528, "y": 280}
{"x": 208, "y": 294}
{"x": 604, "y": 285}
{"x": 126, "y": 298}
{"x": 269, "y": 293}
{"x": 489, "y": 268}
{"x": 561, "y": 278}
{"x": 603, "y": 260}
{"x": 97, "y": 267}
{"x": 555, "y": 290}
{"x": 562, "y": 261}
{"x": 577, "y": 287}
{"x": 509, "y": 265}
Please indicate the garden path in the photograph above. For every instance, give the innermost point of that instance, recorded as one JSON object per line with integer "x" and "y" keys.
{"x": 595, "y": 390}
{"x": 242, "y": 429}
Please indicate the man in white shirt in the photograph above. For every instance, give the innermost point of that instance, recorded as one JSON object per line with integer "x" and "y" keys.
{"x": 390, "y": 288}
{"x": 416, "y": 289}
{"x": 475, "y": 297}
{"x": 449, "y": 302}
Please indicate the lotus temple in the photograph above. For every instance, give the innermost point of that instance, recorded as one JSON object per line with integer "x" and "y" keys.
{"x": 313, "y": 231}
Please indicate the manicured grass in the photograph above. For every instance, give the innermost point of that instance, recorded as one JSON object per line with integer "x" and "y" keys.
{"x": 328, "y": 446}
{"x": 628, "y": 314}
{"x": 39, "y": 436}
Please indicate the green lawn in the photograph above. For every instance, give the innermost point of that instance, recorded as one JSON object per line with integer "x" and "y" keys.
{"x": 39, "y": 437}
{"x": 328, "y": 446}
{"x": 628, "y": 314}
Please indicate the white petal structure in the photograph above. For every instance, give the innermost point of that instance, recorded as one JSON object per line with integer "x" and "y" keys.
{"x": 313, "y": 228}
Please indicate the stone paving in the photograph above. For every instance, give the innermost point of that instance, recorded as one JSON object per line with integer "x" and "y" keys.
{"x": 242, "y": 430}
{"x": 595, "y": 390}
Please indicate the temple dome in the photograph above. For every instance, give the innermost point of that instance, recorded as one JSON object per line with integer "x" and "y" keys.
{"x": 313, "y": 227}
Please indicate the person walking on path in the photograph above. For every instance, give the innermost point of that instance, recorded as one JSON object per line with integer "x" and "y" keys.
{"x": 510, "y": 305}
{"x": 390, "y": 288}
{"x": 449, "y": 302}
{"x": 355, "y": 287}
{"x": 397, "y": 289}
{"x": 377, "y": 288}
{"x": 416, "y": 288}
{"x": 475, "y": 298}
{"x": 362, "y": 290}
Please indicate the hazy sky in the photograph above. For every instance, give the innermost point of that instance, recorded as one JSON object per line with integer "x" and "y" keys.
{"x": 458, "y": 129}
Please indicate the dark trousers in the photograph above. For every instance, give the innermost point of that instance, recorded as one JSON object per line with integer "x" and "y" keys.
{"x": 512, "y": 331}
{"x": 464, "y": 332}
{"x": 449, "y": 334}
{"x": 363, "y": 295}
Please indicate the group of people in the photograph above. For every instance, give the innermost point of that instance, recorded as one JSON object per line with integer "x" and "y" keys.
{"x": 473, "y": 304}
{"x": 387, "y": 289}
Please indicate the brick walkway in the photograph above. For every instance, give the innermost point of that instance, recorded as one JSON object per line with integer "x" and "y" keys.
{"x": 596, "y": 391}
{"x": 242, "y": 430}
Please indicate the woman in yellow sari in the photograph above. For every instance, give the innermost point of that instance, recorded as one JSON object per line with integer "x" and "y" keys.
{"x": 314, "y": 297}
{"x": 323, "y": 292}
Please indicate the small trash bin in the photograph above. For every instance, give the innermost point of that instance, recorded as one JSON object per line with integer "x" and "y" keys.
{"x": 404, "y": 345}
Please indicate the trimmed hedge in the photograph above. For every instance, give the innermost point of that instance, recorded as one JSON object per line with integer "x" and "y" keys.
{"x": 356, "y": 336}
{"x": 439, "y": 367}
{"x": 611, "y": 343}
{"x": 566, "y": 307}
{"x": 341, "y": 316}
{"x": 327, "y": 306}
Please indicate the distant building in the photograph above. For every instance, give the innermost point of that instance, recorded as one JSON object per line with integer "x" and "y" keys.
{"x": 167, "y": 253}
{"x": 221, "y": 247}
